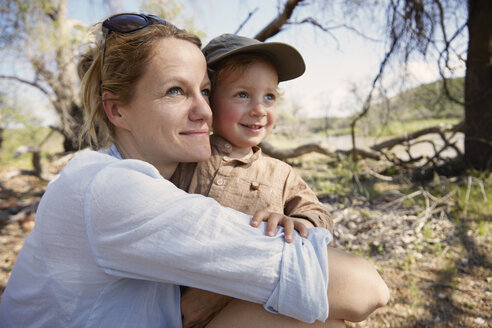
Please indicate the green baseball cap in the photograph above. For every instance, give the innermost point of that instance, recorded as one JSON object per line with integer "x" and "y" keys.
{"x": 286, "y": 59}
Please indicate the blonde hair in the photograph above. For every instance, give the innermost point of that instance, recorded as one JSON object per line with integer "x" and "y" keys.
{"x": 125, "y": 61}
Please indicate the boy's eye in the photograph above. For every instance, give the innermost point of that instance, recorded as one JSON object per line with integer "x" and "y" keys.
{"x": 175, "y": 91}
{"x": 242, "y": 95}
{"x": 270, "y": 97}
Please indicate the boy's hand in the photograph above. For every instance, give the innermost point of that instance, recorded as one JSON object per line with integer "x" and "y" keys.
{"x": 289, "y": 224}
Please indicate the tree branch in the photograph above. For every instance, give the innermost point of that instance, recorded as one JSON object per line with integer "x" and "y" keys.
{"x": 246, "y": 20}
{"x": 31, "y": 83}
{"x": 284, "y": 154}
{"x": 314, "y": 22}
{"x": 276, "y": 24}
{"x": 399, "y": 140}
{"x": 367, "y": 103}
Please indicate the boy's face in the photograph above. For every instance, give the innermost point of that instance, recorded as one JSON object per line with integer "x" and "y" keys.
{"x": 244, "y": 105}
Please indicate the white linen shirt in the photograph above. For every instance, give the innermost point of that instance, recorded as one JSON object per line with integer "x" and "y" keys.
{"x": 113, "y": 240}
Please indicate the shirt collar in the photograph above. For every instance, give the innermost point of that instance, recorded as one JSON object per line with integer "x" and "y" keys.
{"x": 112, "y": 151}
{"x": 224, "y": 149}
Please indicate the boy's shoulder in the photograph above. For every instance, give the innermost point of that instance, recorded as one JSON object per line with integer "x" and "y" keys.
{"x": 273, "y": 162}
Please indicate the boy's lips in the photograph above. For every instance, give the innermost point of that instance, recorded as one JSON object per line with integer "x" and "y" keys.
{"x": 252, "y": 126}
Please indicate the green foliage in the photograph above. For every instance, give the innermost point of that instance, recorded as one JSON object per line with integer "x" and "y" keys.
{"x": 171, "y": 10}
{"x": 430, "y": 100}
{"x": 31, "y": 135}
{"x": 17, "y": 117}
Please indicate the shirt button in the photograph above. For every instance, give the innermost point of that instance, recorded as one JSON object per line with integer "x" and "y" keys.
{"x": 227, "y": 146}
{"x": 219, "y": 182}
{"x": 255, "y": 185}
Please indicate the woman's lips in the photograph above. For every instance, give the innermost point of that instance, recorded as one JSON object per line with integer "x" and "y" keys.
{"x": 195, "y": 132}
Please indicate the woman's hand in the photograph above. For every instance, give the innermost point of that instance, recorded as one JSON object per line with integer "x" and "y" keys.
{"x": 276, "y": 219}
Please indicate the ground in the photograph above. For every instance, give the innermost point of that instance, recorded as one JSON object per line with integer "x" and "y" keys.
{"x": 439, "y": 271}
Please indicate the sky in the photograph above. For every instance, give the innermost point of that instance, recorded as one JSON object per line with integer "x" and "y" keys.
{"x": 332, "y": 66}
{"x": 335, "y": 61}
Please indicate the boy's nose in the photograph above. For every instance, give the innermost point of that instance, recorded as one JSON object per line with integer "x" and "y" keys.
{"x": 258, "y": 109}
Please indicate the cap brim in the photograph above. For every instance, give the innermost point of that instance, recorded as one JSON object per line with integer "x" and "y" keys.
{"x": 286, "y": 59}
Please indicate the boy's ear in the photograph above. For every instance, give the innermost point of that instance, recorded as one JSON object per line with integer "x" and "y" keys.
{"x": 113, "y": 110}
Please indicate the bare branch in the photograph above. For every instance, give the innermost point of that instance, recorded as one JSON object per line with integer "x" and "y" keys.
{"x": 367, "y": 103}
{"x": 283, "y": 154}
{"x": 270, "y": 150}
{"x": 276, "y": 24}
{"x": 31, "y": 83}
{"x": 328, "y": 29}
{"x": 246, "y": 20}
{"x": 399, "y": 140}
{"x": 441, "y": 69}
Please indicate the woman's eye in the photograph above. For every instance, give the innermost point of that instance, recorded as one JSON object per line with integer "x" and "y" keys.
{"x": 206, "y": 92}
{"x": 242, "y": 95}
{"x": 175, "y": 91}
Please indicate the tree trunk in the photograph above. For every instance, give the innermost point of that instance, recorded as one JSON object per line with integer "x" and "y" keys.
{"x": 2, "y": 129}
{"x": 478, "y": 86}
{"x": 65, "y": 85}
{"x": 72, "y": 128}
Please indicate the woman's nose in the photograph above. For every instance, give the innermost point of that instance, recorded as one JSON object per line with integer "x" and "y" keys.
{"x": 200, "y": 110}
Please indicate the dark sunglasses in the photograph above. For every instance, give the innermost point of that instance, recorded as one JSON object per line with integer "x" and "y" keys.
{"x": 125, "y": 23}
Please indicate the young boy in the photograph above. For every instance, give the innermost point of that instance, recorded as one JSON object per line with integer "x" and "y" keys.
{"x": 245, "y": 74}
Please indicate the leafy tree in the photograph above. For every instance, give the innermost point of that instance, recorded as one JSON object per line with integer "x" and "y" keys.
{"x": 39, "y": 33}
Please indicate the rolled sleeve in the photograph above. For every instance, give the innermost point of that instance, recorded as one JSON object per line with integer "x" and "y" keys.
{"x": 303, "y": 260}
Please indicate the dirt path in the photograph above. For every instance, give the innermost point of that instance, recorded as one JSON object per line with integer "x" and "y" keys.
{"x": 439, "y": 272}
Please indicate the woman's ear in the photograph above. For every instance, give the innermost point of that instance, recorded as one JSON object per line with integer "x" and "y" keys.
{"x": 112, "y": 108}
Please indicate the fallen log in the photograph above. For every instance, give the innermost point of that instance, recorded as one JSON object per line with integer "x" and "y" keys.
{"x": 439, "y": 129}
{"x": 283, "y": 154}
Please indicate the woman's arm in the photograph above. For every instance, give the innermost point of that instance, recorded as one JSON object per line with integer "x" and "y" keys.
{"x": 355, "y": 289}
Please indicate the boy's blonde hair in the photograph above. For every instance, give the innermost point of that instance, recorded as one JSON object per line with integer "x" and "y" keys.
{"x": 125, "y": 61}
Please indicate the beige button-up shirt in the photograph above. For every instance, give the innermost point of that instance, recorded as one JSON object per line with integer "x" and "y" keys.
{"x": 255, "y": 183}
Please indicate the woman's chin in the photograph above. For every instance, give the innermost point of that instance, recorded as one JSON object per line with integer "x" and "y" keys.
{"x": 199, "y": 155}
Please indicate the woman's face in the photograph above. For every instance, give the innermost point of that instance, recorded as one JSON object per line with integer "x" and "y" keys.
{"x": 168, "y": 120}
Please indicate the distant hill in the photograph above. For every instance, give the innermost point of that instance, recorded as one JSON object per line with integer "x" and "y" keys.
{"x": 430, "y": 101}
{"x": 426, "y": 101}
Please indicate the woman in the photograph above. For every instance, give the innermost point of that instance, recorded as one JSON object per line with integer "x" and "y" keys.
{"x": 114, "y": 238}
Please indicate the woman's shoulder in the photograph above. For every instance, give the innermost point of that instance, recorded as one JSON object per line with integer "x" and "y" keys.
{"x": 88, "y": 164}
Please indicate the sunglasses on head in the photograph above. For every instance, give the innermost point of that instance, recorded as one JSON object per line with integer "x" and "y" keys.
{"x": 125, "y": 23}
